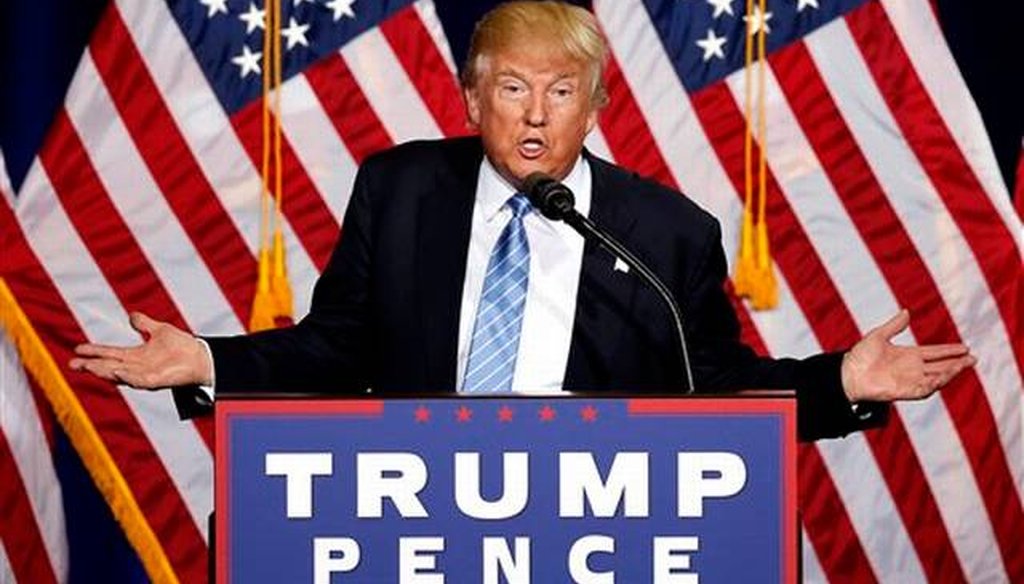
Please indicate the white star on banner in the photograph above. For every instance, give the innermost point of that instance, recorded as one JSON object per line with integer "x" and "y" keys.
{"x": 757, "y": 21}
{"x": 712, "y": 46}
{"x": 801, "y": 4}
{"x": 253, "y": 19}
{"x": 248, "y": 62}
{"x": 721, "y": 6}
{"x": 341, "y": 8}
{"x": 214, "y": 6}
{"x": 295, "y": 33}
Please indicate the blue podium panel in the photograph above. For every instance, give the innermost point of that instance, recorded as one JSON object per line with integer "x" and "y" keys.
{"x": 512, "y": 489}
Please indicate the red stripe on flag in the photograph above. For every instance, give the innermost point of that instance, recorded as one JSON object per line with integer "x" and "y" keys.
{"x": 45, "y": 413}
{"x": 907, "y": 276}
{"x": 812, "y": 287}
{"x": 104, "y": 232}
{"x": 932, "y": 142}
{"x": 171, "y": 162}
{"x": 19, "y": 532}
{"x": 347, "y": 107}
{"x": 301, "y": 203}
{"x": 142, "y": 469}
{"x": 627, "y": 133}
{"x": 426, "y": 67}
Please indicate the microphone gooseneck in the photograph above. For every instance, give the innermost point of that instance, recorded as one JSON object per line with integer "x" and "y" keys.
{"x": 556, "y": 202}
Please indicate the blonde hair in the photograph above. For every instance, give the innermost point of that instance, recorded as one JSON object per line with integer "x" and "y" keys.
{"x": 514, "y": 23}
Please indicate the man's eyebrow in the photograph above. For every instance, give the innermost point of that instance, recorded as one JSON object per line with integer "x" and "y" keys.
{"x": 509, "y": 72}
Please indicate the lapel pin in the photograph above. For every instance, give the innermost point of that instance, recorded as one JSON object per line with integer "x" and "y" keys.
{"x": 621, "y": 266}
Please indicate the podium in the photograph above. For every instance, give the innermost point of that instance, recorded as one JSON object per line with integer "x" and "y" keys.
{"x": 568, "y": 488}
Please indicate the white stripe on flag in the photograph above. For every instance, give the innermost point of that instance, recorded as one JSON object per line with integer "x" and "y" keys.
{"x": 5, "y": 181}
{"x": 318, "y": 147}
{"x": 388, "y": 88}
{"x": 811, "y": 568}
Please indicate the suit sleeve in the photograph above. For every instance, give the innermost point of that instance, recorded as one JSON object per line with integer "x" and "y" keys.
{"x": 721, "y": 362}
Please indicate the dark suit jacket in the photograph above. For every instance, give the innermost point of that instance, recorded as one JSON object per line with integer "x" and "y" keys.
{"x": 385, "y": 311}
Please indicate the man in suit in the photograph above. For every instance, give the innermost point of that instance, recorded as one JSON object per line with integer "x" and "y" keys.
{"x": 408, "y": 299}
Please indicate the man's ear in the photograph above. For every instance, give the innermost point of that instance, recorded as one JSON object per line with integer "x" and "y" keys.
{"x": 592, "y": 119}
{"x": 472, "y": 97}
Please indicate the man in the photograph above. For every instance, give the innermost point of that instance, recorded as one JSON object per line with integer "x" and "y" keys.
{"x": 445, "y": 279}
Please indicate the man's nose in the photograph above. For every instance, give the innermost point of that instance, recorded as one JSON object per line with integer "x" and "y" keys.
{"x": 537, "y": 109}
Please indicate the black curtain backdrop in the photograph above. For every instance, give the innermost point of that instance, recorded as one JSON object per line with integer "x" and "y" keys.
{"x": 983, "y": 38}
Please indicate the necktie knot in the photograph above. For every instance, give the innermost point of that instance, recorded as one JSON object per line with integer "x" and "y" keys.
{"x": 519, "y": 205}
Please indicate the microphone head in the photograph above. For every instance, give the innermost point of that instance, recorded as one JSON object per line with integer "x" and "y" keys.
{"x": 553, "y": 199}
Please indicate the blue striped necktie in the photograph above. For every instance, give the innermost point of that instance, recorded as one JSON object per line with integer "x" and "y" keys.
{"x": 499, "y": 317}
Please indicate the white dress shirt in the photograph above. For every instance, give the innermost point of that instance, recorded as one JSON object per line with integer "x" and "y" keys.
{"x": 556, "y": 258}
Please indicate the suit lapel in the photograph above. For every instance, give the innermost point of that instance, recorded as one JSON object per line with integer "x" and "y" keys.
{"x": 605, "y": 294}
{"x": 445, "y": 219}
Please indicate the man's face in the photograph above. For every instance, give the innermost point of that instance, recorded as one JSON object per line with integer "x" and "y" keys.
{"x": 533, "y": 109}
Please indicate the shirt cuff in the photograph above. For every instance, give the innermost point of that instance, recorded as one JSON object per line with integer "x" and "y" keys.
{"x": 208, "y": 389}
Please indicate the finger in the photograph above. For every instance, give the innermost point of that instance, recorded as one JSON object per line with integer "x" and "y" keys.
{"x": 895, "y": 325}
{"x": 98, "y": 367}
{"x": 937, "y": 352}
{"x": 101, "y": 351}
{"x": 949, "y": 367}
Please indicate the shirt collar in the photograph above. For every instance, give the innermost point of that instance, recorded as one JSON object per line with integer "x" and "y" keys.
{"x": 493, "y": 190}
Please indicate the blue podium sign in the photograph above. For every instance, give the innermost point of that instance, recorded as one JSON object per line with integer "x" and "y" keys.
{"x": 506, "y": 489}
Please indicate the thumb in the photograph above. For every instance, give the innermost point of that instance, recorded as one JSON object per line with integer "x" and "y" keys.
{"x": 895, "y": 325}
{"x": 142, "y": 323}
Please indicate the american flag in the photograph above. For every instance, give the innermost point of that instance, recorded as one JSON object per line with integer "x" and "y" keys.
{"x": 883, "y": 192}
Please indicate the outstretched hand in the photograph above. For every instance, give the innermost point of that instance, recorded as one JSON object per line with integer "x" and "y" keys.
{"x": 168, "y": 357}
{"x": 877, "y": 370}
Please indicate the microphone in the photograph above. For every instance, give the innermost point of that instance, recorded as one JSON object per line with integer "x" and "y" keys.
{"x": 556, "y": 202}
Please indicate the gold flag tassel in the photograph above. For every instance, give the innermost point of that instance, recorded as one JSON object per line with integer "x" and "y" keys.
{"x": 273, "y": 293}
{"x": 754, "y": 277}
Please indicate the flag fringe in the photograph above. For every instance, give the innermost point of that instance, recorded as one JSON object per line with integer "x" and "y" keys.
{"x": 40, "y": 364}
